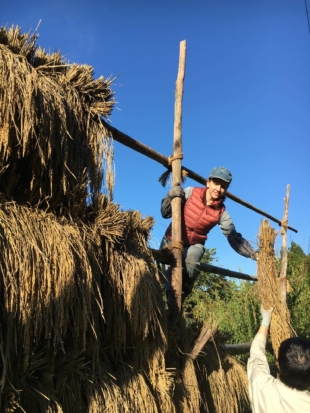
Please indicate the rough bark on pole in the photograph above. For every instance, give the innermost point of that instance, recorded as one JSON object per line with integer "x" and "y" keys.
{"x": 284, "y": 248}
{"x": 177, "y": 250}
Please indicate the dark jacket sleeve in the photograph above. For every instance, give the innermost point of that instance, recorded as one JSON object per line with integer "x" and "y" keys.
{"x": 165, "y": 208}
{"x": 235, "y": 239}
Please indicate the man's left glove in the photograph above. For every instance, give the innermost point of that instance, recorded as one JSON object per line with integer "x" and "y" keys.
{"x": 175, "y": 191}
{"x": 266, "y": 316}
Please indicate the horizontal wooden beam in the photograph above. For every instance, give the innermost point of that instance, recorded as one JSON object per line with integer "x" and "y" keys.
{"x": 156, "y": 156}
{"x": 223, "y": 271}
{"x": 164, "y": 257}
{"x": 242, "y": 348}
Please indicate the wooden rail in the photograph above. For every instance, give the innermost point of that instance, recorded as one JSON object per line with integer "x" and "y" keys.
{"x": 164, "y": 257}
{"x": 156, "y": 156}
{"x": 223, "y": 271}
{"x": 242, "y": 348}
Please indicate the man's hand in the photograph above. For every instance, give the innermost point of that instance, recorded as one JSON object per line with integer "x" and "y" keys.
{"x": 175, "y": 191}
{"x": 266, "y": 316}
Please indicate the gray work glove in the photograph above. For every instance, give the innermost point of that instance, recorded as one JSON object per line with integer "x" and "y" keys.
{"x": 266, "y": 316}
{"x": 175, "y": 191}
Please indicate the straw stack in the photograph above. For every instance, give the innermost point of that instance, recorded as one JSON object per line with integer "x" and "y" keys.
{"x": 224, "y": 381}
{"x": 83, "y": 326}
{"x": 269, "y": 287}
{"x": 53, "y": 146}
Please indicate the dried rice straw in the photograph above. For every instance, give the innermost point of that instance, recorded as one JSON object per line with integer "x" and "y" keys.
{"x": 269, "y": 289}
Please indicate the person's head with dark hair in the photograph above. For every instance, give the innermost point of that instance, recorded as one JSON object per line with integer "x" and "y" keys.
{"x": 294, "y": 363}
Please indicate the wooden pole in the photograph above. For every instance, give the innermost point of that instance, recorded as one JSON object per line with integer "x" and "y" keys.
{"x": 177, "y": 248}
{"x": 284, "y": 248}
{"x": 163, "y": 160}
{"x": 204, "y": 336}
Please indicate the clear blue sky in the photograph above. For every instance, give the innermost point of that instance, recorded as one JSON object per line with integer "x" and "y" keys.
{"x": 246, "y": 100}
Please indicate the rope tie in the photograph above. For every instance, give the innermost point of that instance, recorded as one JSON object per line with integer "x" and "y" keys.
{"x": 165, "y": 176}
{"x": 174, "y": 157}
{"x": 284, "y": 225}
{"x": 176, "y": 244}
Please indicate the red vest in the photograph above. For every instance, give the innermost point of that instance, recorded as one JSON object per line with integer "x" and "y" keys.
{"x": 198, "y": 218}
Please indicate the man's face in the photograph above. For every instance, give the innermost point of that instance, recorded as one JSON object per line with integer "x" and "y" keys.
{"x": 217, "y": 188}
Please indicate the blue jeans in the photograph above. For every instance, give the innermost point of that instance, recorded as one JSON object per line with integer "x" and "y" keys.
{"x": 191, "y": 257}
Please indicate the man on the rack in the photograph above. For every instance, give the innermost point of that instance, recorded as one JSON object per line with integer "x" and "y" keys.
{"x": 202, "y": 209}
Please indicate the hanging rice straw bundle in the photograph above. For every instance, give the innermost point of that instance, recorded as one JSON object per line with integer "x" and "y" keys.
{"x": 162, "y": 381}
{"x": 223, "y": 382}
{"x": 136, "y": 395}
{"x": 40, "y": 257}
{"x": 190, "y": 400}
{"x": 269, "y": 288}
{"x": 132, "y": 285}
{"x": 54, "y": 146}
{"x": 73, "y": 295}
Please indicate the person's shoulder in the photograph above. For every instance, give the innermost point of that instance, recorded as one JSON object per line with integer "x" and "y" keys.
{"x": 188, "y": 191}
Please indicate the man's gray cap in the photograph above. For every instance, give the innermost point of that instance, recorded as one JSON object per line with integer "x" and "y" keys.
{"x": 221, "y": 173}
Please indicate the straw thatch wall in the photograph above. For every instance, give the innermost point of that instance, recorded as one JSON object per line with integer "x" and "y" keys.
{"x": 83, "y": 323}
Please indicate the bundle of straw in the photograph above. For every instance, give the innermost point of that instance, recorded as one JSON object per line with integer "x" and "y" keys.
{"x": 223, "y": 381}
{"x": 54, "y": 147}
{"x": 76, "y": 299}
{"x": 269, "y": 287}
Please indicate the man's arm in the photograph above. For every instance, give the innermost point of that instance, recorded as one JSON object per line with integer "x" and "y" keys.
{"x": 235, "y": 239}
{"x": 258, "y": 367}
{"x": 177, "y": 190}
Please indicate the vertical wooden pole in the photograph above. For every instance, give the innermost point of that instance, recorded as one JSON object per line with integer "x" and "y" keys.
{"x": 284, "y": 248}
{"x": 177, "y": 250}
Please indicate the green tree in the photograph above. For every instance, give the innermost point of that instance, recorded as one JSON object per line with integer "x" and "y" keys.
{"x": 298, "y": 299}
{"x": 232, "y": 304}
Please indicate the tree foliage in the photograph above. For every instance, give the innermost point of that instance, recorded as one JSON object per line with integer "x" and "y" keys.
{"x": 234, "y": 305}
{"x": 298, "y": 300}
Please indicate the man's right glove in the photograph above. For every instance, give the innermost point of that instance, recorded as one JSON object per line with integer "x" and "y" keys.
{"x": 266, "y": 316}
{"x": 175, "y": 191}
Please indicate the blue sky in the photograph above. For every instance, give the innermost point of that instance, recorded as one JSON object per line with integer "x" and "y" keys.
{"x": 246, "y": 98}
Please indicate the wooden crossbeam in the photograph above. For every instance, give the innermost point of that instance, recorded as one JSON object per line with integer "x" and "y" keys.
{"x": 223, "y": 271}
{"x": 242, "y": 348}
{"x": 163, "y": 160}
{"x": 164, "y": 257}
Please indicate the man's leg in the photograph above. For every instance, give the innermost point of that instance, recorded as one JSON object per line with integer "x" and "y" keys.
{"x": 192, "y": 256}
{"x": 166, "y": 270}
